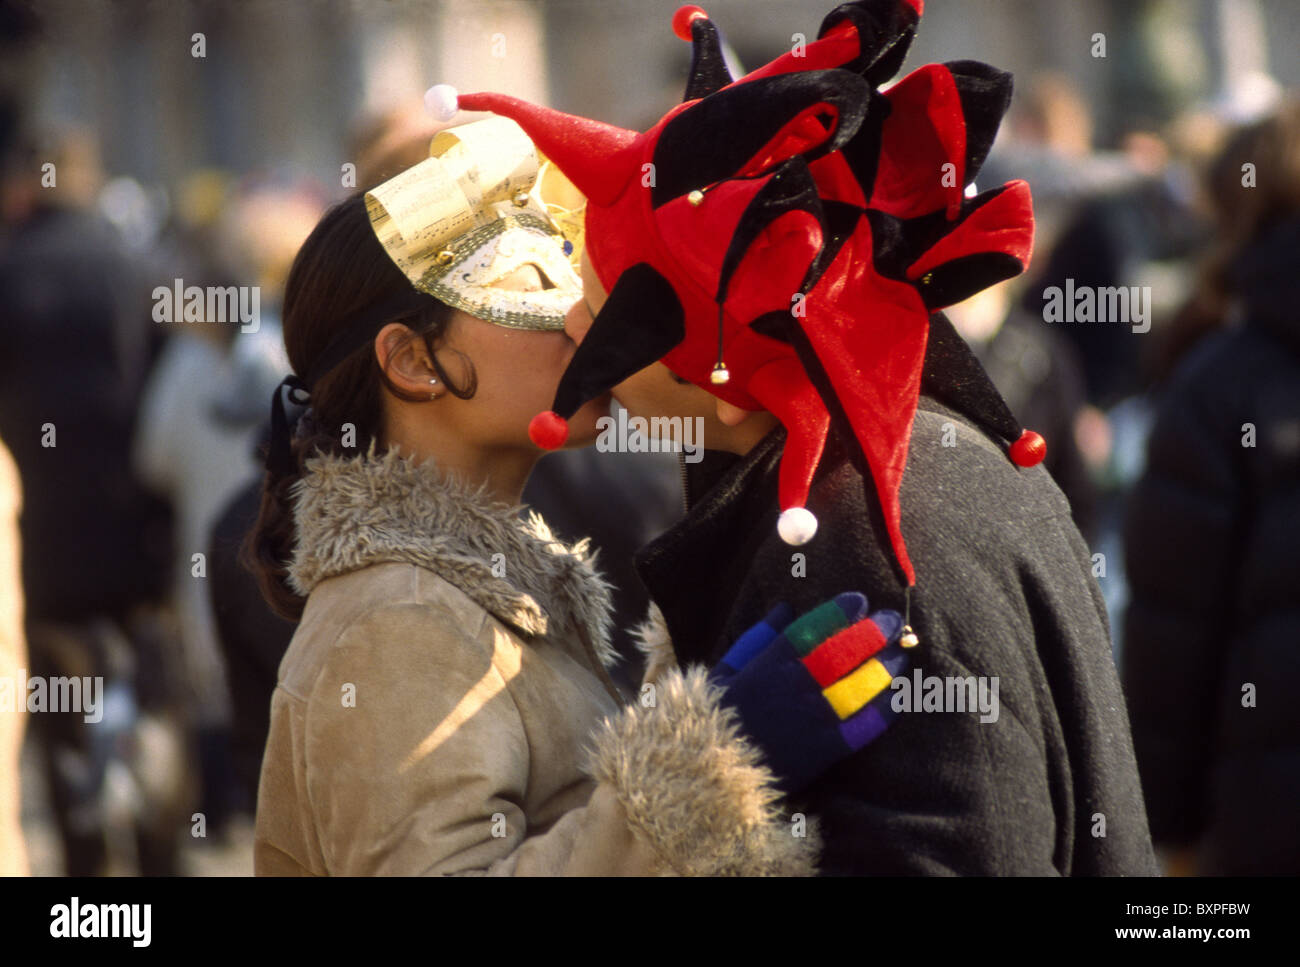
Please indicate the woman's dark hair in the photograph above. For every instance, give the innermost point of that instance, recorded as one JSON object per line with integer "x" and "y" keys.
{"x": 1272, "y": 147}
{"x": 340, "y": 270}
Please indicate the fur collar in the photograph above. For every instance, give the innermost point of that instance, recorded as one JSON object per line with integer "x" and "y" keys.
{"x": 355, "y": 511}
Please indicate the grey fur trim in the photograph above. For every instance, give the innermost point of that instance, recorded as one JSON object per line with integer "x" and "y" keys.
{"x": 352, "y": 512}
{"x": 652, "y": 639}
{"x": 696, "y": 788}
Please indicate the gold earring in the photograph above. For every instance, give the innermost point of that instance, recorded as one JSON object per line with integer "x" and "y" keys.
{"x": 433, "y": 382}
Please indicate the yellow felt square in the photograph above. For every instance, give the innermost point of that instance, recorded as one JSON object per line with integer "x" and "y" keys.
{"x": 856, "y": 689}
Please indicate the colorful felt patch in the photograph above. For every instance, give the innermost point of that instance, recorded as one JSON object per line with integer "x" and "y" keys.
{"x": 856, "y": 690}
{"x": 811, "y": 629}
{"x": 757, "y": 638}
{"x": 840, "y": 654}
{"x": 867, "y": 724}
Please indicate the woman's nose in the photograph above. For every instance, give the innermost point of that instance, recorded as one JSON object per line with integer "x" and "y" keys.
{"x": 577, "y": 321}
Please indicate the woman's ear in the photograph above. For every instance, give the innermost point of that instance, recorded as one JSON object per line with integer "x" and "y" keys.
{"x": 405, "y": 359}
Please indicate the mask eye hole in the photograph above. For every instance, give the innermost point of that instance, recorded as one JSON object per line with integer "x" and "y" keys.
{"x": 545, "y": 279}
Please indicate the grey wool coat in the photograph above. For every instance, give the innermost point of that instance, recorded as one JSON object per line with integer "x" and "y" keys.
{"x": 1004, "y": 591}
{"x": 444, "y": 706}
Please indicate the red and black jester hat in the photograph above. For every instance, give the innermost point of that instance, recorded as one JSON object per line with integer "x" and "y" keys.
{"x": 783, "y": 239}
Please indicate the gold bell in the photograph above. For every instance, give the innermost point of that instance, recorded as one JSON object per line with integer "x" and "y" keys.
{"x": 695, "y": 198}
{"x": 909, "y": 639}
{"x": 520, "y": 200}
{"x": 445, "y": 257}
{"x": 720, "y": 374}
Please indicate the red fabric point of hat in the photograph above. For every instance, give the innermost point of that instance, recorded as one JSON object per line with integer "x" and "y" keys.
{"x": 548, "y": 430}
{"x": 1028, "y": 450}
{"x": 840, "y": 45}
{"x": 588, "y": 152}
{"x": 800, "y": 134}
{"x": 924, "y": 131}
{"x": 783, "y": 388}
{"x": 683, "y": 19}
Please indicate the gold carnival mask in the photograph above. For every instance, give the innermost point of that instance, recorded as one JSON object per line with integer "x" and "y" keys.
{"x": 480, "y": 207}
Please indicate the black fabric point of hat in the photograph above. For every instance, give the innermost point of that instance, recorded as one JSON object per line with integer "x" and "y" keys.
{"x": 709, "y": 71}
{"x": 639, "y": 323}
{"x": 985, "y": 94}
{"x": 720, "y": 134}
{"x": 862, "y": 151}
{"x": 774, "y": 325}
{"x": 791, "y": 188}
{"x": 901, "y": 241}
{"x": 953, "y": 376}
{"x": 885, "y": 31}
{"x": 961, "y": 278}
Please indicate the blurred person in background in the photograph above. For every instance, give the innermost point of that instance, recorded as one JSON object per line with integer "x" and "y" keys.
{"x": 1212, "y": 529}
{"x": 73, "y": 327}
{"x": 1105, "y": 216}
{"x": 253, "y": 637}
{"x": 198, "y": 423}
{"x": 1038, "y": 374}
{"x": 265, "y": 230}
{"x": 16, "y": 27}
{"x": 1124, "y": 216}
{"x": 13, "y": 659}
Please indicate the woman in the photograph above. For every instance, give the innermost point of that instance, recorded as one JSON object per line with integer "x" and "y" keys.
{"x": 449, "y": 668}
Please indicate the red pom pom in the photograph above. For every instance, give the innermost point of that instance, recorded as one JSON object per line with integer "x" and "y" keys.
{"x": 1029, "y": 449}
{"x": 683, "y": 19}
{"x": 548, "y": 430}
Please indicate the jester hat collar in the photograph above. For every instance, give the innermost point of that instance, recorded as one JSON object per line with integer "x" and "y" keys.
{"x": 784, "y": 241}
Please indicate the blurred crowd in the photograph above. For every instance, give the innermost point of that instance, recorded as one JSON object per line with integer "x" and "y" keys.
{"x": 130, "y": 466}
{"x": 133, "y": 513}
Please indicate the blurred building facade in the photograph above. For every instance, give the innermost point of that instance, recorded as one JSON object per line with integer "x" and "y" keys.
{"x": 280, "y": 82}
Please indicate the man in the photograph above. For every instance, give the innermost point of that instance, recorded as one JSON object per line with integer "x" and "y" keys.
{"x": 780, "y": 243}
{"x": 1050, "y": 786}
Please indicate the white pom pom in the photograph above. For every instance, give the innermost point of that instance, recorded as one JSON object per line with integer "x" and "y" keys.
{"x": 796, "y": 525}
{"x": 441, "y": 101}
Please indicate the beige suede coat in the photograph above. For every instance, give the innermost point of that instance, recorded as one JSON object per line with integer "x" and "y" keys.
{"x": 444, "y": 706}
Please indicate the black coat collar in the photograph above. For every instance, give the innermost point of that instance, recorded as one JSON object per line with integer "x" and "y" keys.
{"x": 693, "y": 569}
